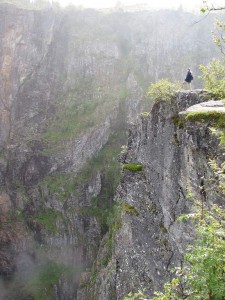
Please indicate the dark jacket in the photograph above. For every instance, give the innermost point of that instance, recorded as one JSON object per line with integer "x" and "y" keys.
{"x": 189, "y": 77}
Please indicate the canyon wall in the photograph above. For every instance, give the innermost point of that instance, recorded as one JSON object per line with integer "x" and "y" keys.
{"x": 148, "y": 241}
{"x": 71, "y": 83}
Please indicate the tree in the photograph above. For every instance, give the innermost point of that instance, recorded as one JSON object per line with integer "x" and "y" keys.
{"x": 214, "y": 78}
{"x": 208, "y": 6}
{"x": 219, "y": 32}
{"x": 203, "y": 274}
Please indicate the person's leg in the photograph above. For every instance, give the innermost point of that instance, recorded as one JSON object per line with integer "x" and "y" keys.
{"x": 185, "y": 85}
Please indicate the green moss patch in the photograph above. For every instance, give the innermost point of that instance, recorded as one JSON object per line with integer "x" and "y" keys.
{"x": 145, "y": 114}
{"x": 59, "y": 185}
{"x": 47, "y": 219}
{"x": 130, "y": 209}
{"x": 217, "y": 117}
{"x": 177, "y": 121}
{"x": 133, "y": 167}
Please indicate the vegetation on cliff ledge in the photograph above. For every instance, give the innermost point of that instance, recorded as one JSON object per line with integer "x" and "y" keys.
{"x": 202, "y": 275}
{"x": 133, "y": 167}
{"x": 40, "y": 284}
{"x": 217, "y": 117}
{"x": 163, "y": 90}
{"x": 214, "y": 78}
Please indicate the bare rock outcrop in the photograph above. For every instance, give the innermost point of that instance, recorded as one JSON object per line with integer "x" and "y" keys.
{"x": 175, "y": 155}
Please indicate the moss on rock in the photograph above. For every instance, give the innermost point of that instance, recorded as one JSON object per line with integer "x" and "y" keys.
{"x": 217, "y": 117}
{"x": 130, "y": 209}
{"x": 133, "y": 167}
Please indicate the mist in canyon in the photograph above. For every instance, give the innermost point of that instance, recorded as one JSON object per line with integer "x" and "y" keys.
{"x": 73, "y": 84}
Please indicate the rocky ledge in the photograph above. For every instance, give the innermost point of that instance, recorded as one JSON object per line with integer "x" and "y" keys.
{"x": 206, "y": 106}
{"x": 148, "y": 241}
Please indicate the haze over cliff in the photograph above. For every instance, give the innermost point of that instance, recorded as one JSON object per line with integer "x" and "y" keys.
{"x": 71, "y": 85}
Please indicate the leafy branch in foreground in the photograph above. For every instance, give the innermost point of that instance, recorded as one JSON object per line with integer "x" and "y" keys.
{"x": 208, "y": 6}
{"x": 203, "y": 274}
{"x": 218, "y": 34}
{"x": 214, "y": 78}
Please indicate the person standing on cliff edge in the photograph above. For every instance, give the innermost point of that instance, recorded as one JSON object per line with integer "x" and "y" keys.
{"x": 188, "y": 79}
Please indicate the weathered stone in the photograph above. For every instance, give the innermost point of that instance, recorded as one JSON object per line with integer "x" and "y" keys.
{"x": 217, "y": 106}
{"x": 57, "y": 65}
{"x": 151, "y": 242}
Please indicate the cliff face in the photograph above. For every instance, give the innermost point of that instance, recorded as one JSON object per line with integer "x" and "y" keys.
{"x": 58, "y": 109}
{"x": 70, "y": 82}
{"x": 149, "y": 241}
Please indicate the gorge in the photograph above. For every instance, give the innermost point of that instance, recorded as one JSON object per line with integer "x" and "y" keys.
{"x": 76, "y": 221}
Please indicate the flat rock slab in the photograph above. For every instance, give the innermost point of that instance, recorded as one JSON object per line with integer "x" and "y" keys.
{"x": 211, "y": 105}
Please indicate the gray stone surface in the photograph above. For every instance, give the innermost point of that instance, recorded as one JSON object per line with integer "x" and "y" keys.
{"x": 48, "y": 60}
{"x": 175, "y": 158}
{"x": 207, "y": 106}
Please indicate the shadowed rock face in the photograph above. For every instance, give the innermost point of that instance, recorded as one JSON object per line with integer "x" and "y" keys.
{"x": 175, "y": 157}
{"x": 68, "y": 81}
{"x": 52, "y": 69}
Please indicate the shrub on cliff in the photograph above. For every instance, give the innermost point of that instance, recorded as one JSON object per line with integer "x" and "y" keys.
{"x": 133, "y": 167}
{"x": 163, "y": 90}
{"x": 213, "y": 76}
{"x": 202, "y": 275}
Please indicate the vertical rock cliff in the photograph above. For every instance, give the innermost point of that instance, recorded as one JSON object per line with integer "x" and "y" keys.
{"x": 59, "y": 107}
{"x": 148, "y": 241}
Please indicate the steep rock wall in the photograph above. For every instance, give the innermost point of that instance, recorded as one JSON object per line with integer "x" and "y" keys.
{"x": 48, "y": 73}
{"x": 149, "y": 241}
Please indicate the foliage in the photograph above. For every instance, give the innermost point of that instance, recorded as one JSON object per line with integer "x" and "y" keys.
{"x": 64, "y": 186}
{"x": 133, "y": 167}
{"x": 177, "y": 121}
{"x": 217, "y": 117}
{"x": 105, "y": 214}
{"x": 203, "y": 274}
{"x": 136, "y": 296}
{"x": 47, "y": 219}
{"x": 78, "y": 110}
{"x": 219, "y": 35}
{"x": 101, "y": 213}
{"x": 213, "y": 76}
{"x": 40, "y": 284}
{"x": 130, "y": 209}
{"x": 145, "y": 114}
{"x": 59, "y": 185}
{"x": 206, "y": 275}
{"x": 163, "y": 90}
{"x": 209, "y": 6}
{"x": 114, "y": 223}
{"x": 106, "y": 162}
{"x": 75, "y": 119}
{"x": 170, "y": 293}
